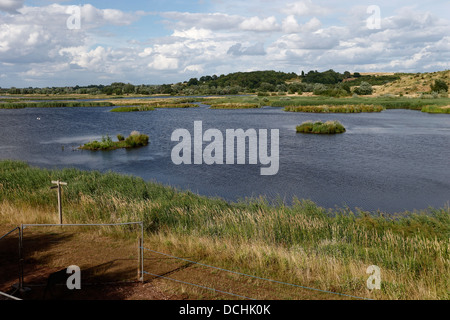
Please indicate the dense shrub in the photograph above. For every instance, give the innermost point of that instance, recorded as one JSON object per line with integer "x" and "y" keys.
{"x": 318, "y": 127}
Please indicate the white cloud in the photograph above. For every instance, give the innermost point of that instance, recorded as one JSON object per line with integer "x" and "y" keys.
{"x": 254, "y": 50}
{"x": 146, "y": 52}
{"x": 284, "y": 35}
{"x": 194, "y": 68}
{"x": 11, "y": 6}
{"x": 193, "y": 33}
{"x": 161, "y": 62}
{"x": 305, "y": 8}
{"x": 258, "y": 24}
{"x": 291, "y": 25}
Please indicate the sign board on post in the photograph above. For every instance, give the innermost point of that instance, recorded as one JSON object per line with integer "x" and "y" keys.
{"x": 58, "y": 186}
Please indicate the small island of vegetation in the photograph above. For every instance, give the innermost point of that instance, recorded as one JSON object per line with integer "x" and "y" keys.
{"x": 319, "y": 127}
{"x": 136, "y": 139}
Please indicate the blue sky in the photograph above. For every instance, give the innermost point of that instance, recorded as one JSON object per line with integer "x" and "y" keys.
{"x": 159, "y": 41}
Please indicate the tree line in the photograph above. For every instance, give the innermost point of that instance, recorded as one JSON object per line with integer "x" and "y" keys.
{"x": 330, "y": 83}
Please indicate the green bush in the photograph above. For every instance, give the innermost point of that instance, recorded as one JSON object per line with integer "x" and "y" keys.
{"x": 364, "y": 89}
{"x": 136, "y": 139}
{"x": 439, "y": 86}
{"x": 318, "y": 127}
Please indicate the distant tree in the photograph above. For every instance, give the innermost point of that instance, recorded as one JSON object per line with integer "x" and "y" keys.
{"x": 266, "y": 87}
{"x": 357, "y": 75}
{"x": 439, "y": 86}
{"x": 108, "y": 91}
{"x": 364, "y": 89}
{"x": 128, "y": 88}
{"x": 193, "y": 82}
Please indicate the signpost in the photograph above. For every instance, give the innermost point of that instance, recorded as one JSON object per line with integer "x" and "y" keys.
{"x": 58, "y": 186}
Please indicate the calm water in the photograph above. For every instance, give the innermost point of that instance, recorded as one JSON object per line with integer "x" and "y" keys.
{"x": 393, "y": 161}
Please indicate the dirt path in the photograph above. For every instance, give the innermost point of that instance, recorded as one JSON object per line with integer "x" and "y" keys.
{"x": 109, "y": 268}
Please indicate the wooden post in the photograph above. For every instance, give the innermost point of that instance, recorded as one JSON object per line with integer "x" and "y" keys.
{"x": 58, "y": 186}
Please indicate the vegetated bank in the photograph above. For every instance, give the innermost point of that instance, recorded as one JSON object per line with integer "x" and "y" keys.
{"x": 319, "y": 127}
{"x": 383, "y": 101}
{"x": 134, "y": 140}
{"x": 336, "y": 109}
{"x": 302, "y": 244}
{"x": 436, "y": 109}
{"x": 235, "y": 106}
{"x": 54, "y": 104}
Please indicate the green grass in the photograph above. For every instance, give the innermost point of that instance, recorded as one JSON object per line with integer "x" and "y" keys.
{"x": 235, "y": 106}
{"x": 435, "y": 109}
{"x": 135, "y": 140}
{"x": 318, "y": 127}
{"x": 53, "y": 104}
{"x": 133, "y": 109}
{"x": 177, "y": 105}
{"x": 385, "y": 102}
{"x": 336, "y": 109}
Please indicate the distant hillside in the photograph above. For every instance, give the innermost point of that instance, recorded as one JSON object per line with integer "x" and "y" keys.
{"x": 327, "y": 83}
{"x": 413, "y": 84}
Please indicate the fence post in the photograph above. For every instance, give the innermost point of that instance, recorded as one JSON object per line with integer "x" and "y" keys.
{"x": 21, "y": 257}
{"x": 139, "y": 259}
{"x": 142, "y": 252}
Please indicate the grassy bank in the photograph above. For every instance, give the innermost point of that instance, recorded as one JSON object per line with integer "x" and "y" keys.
{"x": 53, "y": 104}
{"x": 435, "y": 109}
{"x": 235, "y": 106}
{"x": 318, "y": 127}
{"x": 384, "y": 101}
{"x": 303, "y": 243}
{"x": 133, "y": 109}
{"x": 336, "y": 109}
{"x": 134, "y": 140}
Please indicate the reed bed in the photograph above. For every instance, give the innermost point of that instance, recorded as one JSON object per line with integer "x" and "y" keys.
{"x": 54, "y": 104}
{"x": 436, "y": 109}
{"x": 235, "y": 106}
{"x": 336, "y": 109}
{"x": 319, "y": 127}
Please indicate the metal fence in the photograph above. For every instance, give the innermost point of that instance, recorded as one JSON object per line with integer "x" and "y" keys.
{"x": 9, "y": 255}
{"x": 240, "y": 274}
{"x": 43, "y": 249}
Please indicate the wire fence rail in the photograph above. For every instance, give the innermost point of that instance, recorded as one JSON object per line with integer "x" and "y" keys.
{"x": 9, "y": 296}
{"x": 3, "y": 294}
{"x": 246, "y": 275}
{"x": 199, "y": 286}
{"x": 141, "y": 270}
{"x": 21, "y": 236}
{"x": 8, "y": 233}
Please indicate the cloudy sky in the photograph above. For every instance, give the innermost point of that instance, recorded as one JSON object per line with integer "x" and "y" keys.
{"x": 64, "y": 43}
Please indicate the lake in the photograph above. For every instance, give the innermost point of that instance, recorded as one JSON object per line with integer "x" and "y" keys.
{"x": 392, "y": 161}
